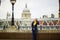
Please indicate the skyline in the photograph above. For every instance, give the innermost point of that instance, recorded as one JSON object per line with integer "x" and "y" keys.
{"x": 37, "y": 8}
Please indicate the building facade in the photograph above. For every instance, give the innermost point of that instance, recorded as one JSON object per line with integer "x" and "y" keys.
{"x": 26, "y": 17}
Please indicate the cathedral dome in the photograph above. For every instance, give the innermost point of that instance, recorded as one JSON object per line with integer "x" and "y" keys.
{"x": 26, "y": 9}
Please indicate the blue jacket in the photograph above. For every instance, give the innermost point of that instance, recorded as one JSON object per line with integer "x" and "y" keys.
{"x": 34, "y": 28}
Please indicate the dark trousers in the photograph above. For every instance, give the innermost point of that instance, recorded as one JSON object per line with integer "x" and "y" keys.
{"x": 34, "y": 33}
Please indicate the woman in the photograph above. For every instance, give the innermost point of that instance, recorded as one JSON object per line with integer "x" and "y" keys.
{"x": 34, "y": 29}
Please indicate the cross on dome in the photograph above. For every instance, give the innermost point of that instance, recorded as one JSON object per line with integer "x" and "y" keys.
{"x": 26, "y": 5}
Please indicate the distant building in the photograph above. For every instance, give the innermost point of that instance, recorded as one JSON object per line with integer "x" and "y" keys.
{"x": 45, "y": 16}
{"x": 52, "y": 16}
{"x": 26, "y": 17}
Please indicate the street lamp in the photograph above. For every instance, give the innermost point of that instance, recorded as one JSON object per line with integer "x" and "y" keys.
{"x": 12, "y": 2}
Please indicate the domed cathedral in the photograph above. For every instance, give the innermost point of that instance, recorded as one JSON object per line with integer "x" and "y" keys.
{"x": 26, "y": 17}
{"x": 26, "y": 13}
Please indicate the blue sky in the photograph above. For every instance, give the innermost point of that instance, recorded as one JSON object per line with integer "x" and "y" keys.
{"x": 37, "y": 8}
